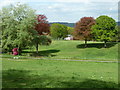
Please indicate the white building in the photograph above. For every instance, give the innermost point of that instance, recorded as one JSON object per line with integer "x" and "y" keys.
{"x": 69, "y": 37}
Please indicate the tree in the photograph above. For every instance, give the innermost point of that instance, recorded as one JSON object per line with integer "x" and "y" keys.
{"x": 104, "y": 29}
{"x": 41, "y": 40}
{"x": 83, "y": 28}
{"x": 43, "y": 29}
{"x": 42, "y": 26}
{"x": 58, "y": 31}
{"x": 17, "y": 26}
{"x": 70, "y": 30}
{"x": 115, "y": 37}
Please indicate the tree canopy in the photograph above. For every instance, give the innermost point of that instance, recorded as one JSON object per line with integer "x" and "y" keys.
{"x": 83, "y": 28}
{"x": 70, "y": 30}
{"x": 17, "y": 26}
{"x": 43, "y": 28}
{"x": 58, "y": 31}
{"x": 104, "y": 29}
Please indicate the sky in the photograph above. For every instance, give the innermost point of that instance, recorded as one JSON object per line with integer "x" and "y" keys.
{"x": 70, "y": 10}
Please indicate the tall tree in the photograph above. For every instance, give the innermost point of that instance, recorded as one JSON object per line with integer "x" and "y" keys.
{"x": 70, "y": 30}
{"x": 58, "y": 31}
{"x": 104, "y": 29}
{"x": 83, "y": 28}
{"x": 17, "y": 26}
{"x": 43, "y": 28}
{"x": 42, "y": 25}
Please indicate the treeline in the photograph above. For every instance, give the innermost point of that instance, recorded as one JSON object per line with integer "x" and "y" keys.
{"x": 64, "y": 23}
{"x": 22, "y": 27}
{"x": 73, "y": 24}
{"x": 103, "y": 28}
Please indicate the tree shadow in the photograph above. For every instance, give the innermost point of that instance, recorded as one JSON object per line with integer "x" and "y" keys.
{"x": 23, "y": 79}
{"x": 91, "y": 83}
{"x": 97, "y": 45}
{"x": 45, "y": 53}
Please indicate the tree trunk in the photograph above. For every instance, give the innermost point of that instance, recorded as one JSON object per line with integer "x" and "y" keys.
{"x": 85, "y": 43}
{"x": 36, "y": 47}
{"x": 9, "y": 50}
{"x": 105, "y": 44}
{"x": 19, "y": 51}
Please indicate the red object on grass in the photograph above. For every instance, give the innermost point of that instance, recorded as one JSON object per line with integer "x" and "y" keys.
{"x": 15, "y": 51}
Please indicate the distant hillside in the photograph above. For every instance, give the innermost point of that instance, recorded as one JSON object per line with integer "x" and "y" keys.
{"x": 72, "y": 24}
{"x": 64, "y": 23}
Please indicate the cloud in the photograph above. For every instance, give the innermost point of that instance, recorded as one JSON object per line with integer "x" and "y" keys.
{"x": 114, "y": 7}
{"x": 6, "y": 2}
{"x": 73, "y": 11}
{"x": 70, "y": 10}
{"x": 83, "y": 1}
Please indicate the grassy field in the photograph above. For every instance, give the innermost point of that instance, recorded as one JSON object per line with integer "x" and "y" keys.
{"x": 52, "y": 73}
{"x": 75, "y": 50}
{"x": 28, "y": 73}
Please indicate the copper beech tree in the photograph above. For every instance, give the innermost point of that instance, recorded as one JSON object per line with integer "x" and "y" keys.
{"x": 42, "y": 26}
{"x": 43, "y": 29}
{"x": 83, "y": 28}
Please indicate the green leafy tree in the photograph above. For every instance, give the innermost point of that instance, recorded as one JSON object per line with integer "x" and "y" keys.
{"x": 115, "y": 38}
{"x": 104, "y": 29}
{"x": 17, "y": 26}
{"x": 70, "y": 30}
{"x": 118, "y": 33}
{"x": 58, "y": 31}
{"x": 41, "y": 40}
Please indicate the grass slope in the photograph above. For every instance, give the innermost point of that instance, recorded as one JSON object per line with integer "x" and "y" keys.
{"x": 76, "y": 50}
{"x": 28, "y": 73}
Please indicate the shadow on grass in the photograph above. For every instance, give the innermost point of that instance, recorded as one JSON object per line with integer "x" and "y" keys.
{"x": 42, "y": 53}
{"x": 97, "y": 45}
{"x": 23, "y": 79}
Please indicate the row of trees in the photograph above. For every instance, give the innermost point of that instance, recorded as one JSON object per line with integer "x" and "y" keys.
{"x": 60, "y": 31}
{"x": 103, "y": 28}
{"x": 22, "y": 28}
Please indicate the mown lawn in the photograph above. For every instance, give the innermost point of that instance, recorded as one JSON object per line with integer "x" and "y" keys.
{"x": 48, "y": 73}
{"x": 29, "y": 73}
{"x": 75, "y": 50}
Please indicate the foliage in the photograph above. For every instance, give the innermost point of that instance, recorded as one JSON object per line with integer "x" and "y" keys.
{"x": 118, "y": 28}
{"x": 83, "y": 28}
{"x": 42, "y": 40}
{"x": 43, "y": 29}
{"x": 45, "y": 40}
{"x": 58, "y": 31}
{"x": 117, "y": 34}
{"x": 17, "y": 26}
{"x": 42, "y": 25}
{"x": 70, "y": 30}
{"x": 104, "y": 29}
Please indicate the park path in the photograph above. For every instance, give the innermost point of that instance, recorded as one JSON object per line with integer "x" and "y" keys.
{"x": 60, "y": 59}
{"x": 79, "y": 60}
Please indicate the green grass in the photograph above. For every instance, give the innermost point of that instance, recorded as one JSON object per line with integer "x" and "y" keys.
{"x": 48, "y": 73}
{"x": 28, "y": 73}
{"x": 75, "y": 50}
